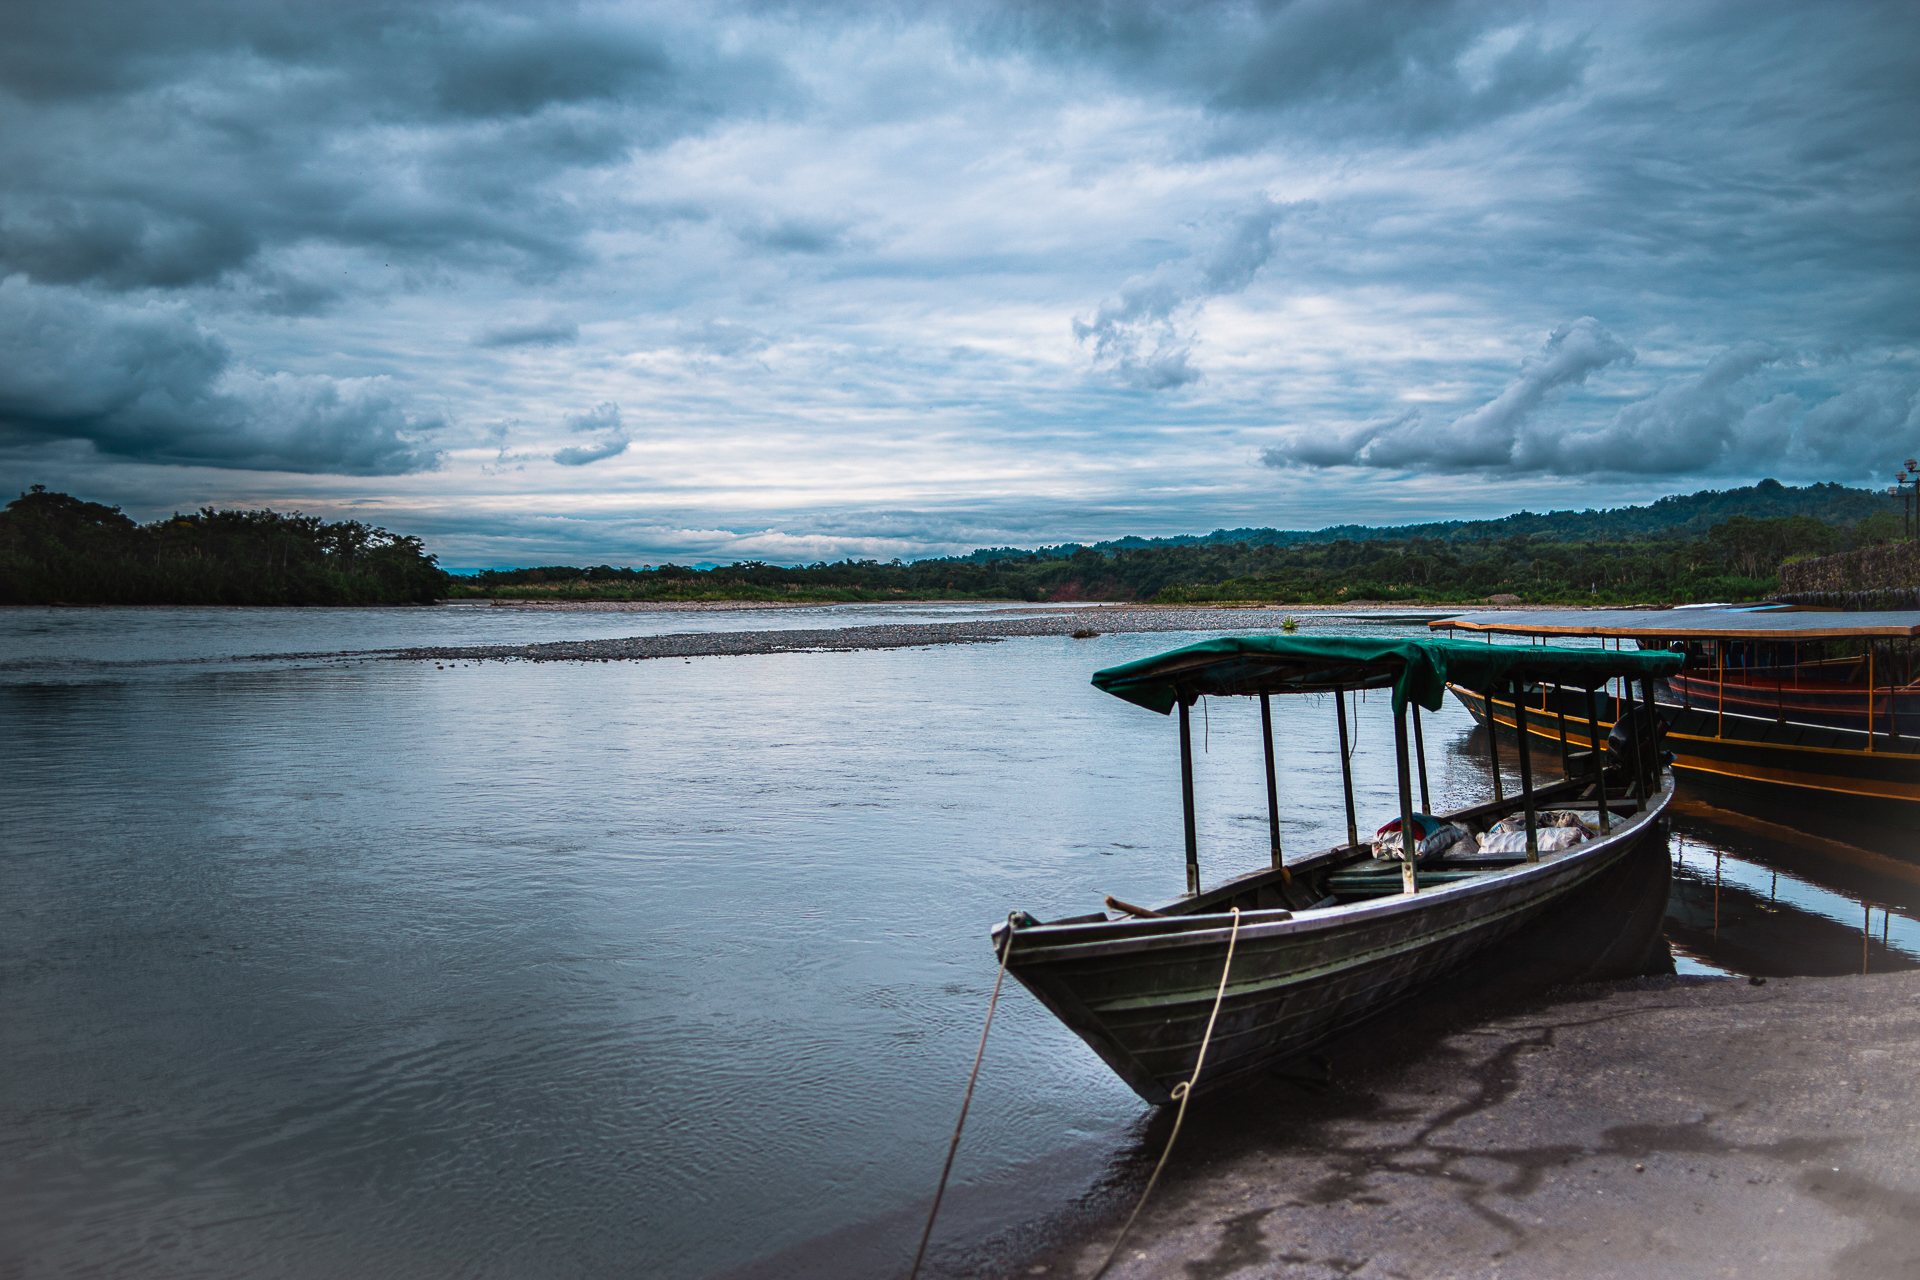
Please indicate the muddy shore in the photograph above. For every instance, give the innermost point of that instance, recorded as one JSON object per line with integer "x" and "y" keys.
{"x": 1654, "y": 1126}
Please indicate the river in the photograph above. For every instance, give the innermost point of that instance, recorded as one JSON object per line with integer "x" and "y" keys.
{"x": 346, "y": 966}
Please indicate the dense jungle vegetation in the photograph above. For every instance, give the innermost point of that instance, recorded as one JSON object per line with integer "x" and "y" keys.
{"x": 1717, "y": 545}
{"x": 1679, "y": 515}
{"x": 1612, "y": 557}
{"x": 59, "y": 549}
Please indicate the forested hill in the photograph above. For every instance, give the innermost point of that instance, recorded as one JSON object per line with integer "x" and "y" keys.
{"x": 1680, "y": 516}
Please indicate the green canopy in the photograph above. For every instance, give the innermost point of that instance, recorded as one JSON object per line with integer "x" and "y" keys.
{"x": 1416, "y": 670}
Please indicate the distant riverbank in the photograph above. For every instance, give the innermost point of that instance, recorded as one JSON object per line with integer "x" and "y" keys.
{"x": 1085, "y": 624}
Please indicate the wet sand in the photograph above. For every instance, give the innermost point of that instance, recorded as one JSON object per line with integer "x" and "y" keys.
{"x": 1655, "y": 1126}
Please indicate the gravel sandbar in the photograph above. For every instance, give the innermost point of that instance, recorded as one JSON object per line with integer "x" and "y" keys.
{"x": 880, "y": 636}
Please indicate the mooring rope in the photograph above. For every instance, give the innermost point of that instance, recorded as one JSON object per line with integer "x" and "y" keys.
{"x": 1181, "y": 1092}
{"x": 965, "y": 1102}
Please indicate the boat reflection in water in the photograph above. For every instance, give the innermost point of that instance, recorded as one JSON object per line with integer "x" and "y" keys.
{"x": 1773, "y": 889}
{"x": 1755, "y": 895}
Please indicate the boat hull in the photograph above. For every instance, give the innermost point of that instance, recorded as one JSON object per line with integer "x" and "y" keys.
{"x": 1140, "y": 992}
{"x": 1815, "y": 765}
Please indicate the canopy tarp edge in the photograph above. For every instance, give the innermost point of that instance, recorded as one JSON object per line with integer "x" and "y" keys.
{"x": 1416, "y": 670}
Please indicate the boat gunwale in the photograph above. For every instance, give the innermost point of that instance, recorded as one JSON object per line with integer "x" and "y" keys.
{"x": 1050, "y": 943}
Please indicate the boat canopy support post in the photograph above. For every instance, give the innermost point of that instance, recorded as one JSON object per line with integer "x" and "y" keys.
{"x": 1493, "y": 747}
{"x": 1630, "y": 714}
{"x": 1526, "y": 773}
{"x": 1720, "y": 689}
{"x": 1273, "y": 786}
{"x": 1870, "y": 706}
{"x": 1653, "y": 733}
{"x": 1894, "y": 686}
{"x": 1560, "y": 704}
{"x": 1420, "y": 756}
{"x": 1409, "y": 841}
{"x": 1186, "y": 797}
{"x": 1779, "y": 687}
{"x": 1599, "y": 762}
{"x": 1346, "y": 764}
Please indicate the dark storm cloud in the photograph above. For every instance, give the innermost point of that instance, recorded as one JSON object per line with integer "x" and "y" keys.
{"x": 161, "y": 147}
{"x": 798, "y": 235}
{"x": 1876, "y": 418}
{"x": 603, "y": 420}
{"x": 553, "y": 331}
{"x": 723, "y": 338}
{"x": 509, "y": 64}
{"x": 149, "y": 384}
{"x": 581, "y": 455}
{"x": 1399, "y": 67}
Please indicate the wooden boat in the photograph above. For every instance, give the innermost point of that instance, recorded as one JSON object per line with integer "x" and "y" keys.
{"x": 1814, "y": 706}
{"x": 1324, "y": 943}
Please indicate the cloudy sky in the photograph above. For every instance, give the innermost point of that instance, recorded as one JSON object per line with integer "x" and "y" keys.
{"x": 628, "y": 282}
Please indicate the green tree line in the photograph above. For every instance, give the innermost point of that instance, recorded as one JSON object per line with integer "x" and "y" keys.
{"x": 56, "y": 548}
{"x": 60, "y": 549}
{"x": 1736, "y": 559}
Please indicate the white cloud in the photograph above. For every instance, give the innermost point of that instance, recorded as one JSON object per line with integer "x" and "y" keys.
{"x": 1137, "y": 336}
{"x": 1692, "y": 424}
{"x": 1490, "y": 435}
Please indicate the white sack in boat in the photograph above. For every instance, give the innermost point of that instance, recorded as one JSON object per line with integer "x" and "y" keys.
{"x": 1436, "y": 839}
{"x": 1545, "y": 818}
{"x": 1552, "y": 840}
